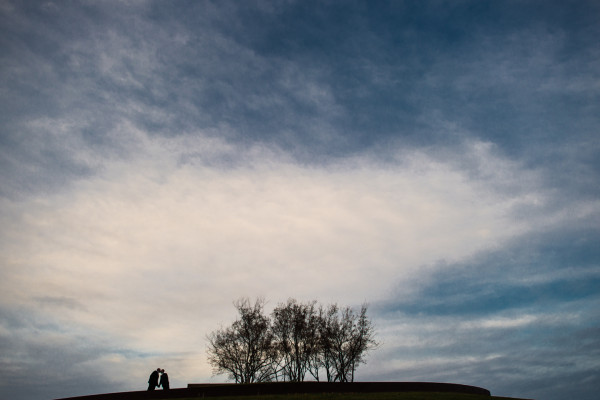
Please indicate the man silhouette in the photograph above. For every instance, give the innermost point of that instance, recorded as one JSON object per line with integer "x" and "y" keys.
{"x": 164, "y": 380}
{"x": 153, "y": 381}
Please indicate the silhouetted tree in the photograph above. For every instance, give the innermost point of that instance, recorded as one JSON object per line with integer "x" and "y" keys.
{"x": 362, "y": 340}
{"x": 326, "y": 330}
{"x": 345, "y": 338}
{"x": 245, "y": 351}
{"x": 294, "y": 329}
{"x": 301, "y": 338}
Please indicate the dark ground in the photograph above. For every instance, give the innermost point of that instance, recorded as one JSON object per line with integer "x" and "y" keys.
{"x": 253, "y": 389}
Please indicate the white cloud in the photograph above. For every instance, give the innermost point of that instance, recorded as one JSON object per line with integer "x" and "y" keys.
{"x": 152, "y": 251}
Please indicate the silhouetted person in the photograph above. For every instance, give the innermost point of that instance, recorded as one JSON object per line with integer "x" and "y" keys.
{"x": 164, "y": 380}
{"x": 153, "y": 381}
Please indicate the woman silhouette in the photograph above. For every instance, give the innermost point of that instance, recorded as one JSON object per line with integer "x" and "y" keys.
{"x": 164, "y": 380}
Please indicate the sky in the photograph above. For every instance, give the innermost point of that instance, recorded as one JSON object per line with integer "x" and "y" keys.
{"x": 438, "y": 160}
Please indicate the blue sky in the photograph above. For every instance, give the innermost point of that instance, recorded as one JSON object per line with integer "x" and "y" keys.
{"x": 436, "y": 159}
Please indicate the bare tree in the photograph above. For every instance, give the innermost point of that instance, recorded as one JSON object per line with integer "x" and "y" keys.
{"x": 300, "y": 339}
{"x": 294, "y": 330}
{"x": 327, "y": 329}
{"x": 345, "y": 337}
{"x": 362, "y": 340}
{"x": 245, "y": 351}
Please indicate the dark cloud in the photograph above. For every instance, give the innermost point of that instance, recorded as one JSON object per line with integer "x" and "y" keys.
{"x": 315, "y": 78}
{"x": 521, "y": 320}
{"x": 60, "y": 302}
{"x": 538, "y": 270}
{"x": 532, "y": 361}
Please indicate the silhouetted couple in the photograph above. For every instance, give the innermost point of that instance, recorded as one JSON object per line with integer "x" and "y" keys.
{"x": 153, "y": 381}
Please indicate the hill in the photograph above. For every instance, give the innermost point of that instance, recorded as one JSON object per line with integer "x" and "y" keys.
{"x": 310, "y": 391}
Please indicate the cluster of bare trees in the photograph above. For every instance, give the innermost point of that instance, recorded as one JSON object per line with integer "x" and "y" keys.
{"x": 298, "y": 340}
